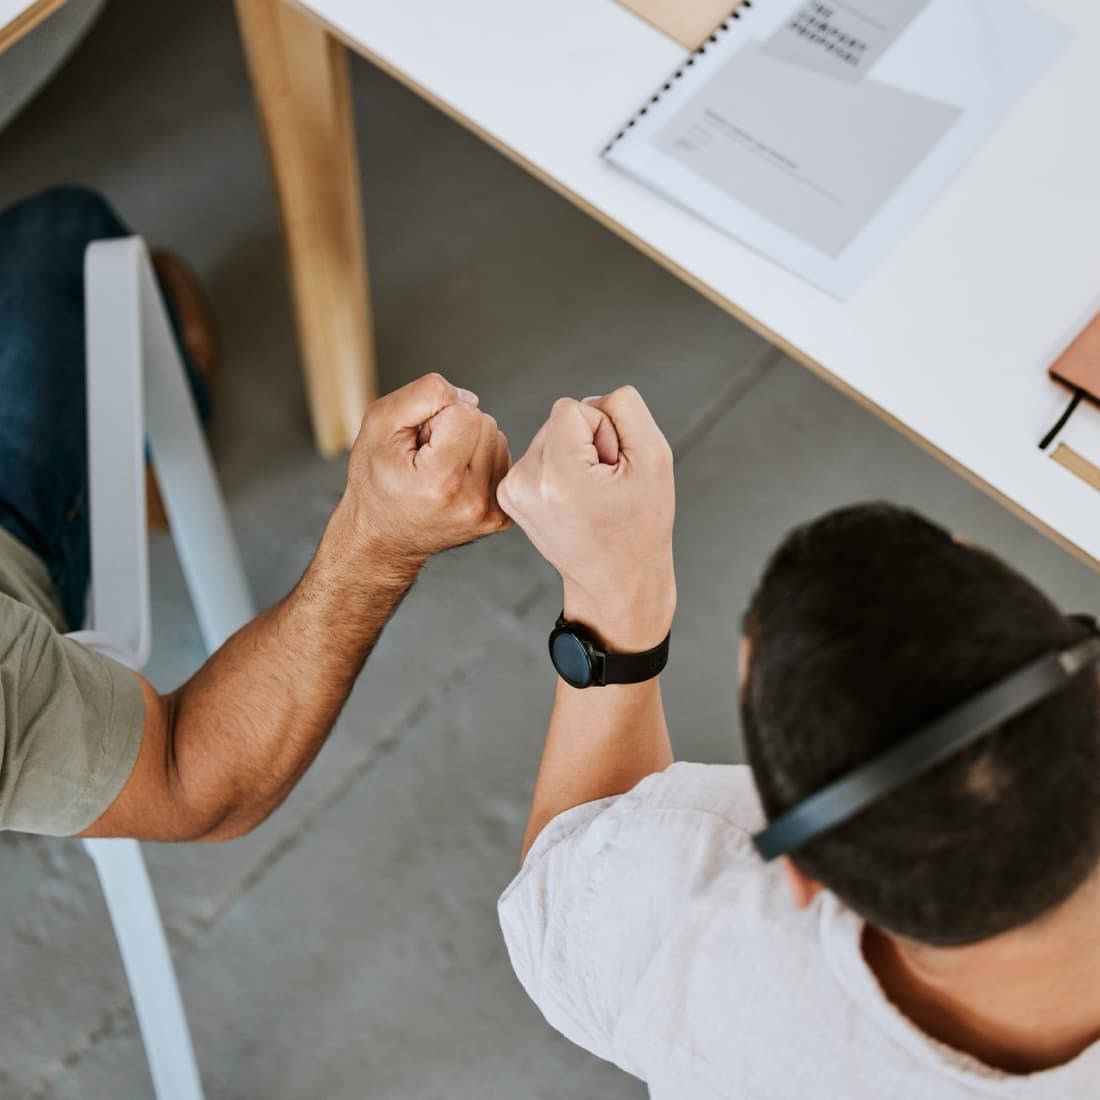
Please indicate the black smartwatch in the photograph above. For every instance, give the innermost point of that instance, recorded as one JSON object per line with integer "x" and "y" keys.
{"x": 581, "y": 663}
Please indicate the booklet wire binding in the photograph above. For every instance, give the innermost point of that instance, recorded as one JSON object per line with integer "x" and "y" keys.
{"x": 711, "y": 39}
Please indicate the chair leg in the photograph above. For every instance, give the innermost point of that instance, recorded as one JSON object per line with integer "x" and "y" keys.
{"x": 148, "y": 965}
{"x": 196, "y": 509}
{"x": 129, "y": 328}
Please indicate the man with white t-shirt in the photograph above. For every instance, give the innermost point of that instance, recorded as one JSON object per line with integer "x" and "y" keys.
{"x": 922, "y": 728}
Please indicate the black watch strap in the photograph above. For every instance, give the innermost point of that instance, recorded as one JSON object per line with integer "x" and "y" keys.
{"x": 635, "y": 668}
{"x": 628, "y": 668}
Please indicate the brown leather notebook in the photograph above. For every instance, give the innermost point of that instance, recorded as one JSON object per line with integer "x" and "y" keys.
{"x": 1078, "y": 369}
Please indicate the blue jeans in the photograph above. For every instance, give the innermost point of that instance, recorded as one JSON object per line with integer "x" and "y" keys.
{"x": 43, "y": 431}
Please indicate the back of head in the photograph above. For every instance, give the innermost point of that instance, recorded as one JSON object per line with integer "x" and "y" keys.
{"x": 870, "y": 623}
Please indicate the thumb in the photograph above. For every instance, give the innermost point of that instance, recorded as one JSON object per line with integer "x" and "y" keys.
{"x": 606, "y": 438}
{"x": 416, "y": 403}
{"x": 635, "y": 429}
{"x": 577, "y": 430}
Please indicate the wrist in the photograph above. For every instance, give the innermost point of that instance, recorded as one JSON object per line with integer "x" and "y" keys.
{"x": 627, "y": 622}
{"x": 369, "y": 556}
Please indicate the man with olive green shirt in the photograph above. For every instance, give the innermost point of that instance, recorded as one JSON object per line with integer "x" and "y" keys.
{"x": 90, "y": 748}
{"x": 70, "y": 720}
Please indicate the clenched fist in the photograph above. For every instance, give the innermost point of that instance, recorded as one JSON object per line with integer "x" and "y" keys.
{"x": 595, "y": 495}
{"x": 423, "y": 474}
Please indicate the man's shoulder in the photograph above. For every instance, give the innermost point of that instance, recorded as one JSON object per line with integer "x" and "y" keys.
{"x": 680, "y": 838}
{"x": 653, "y": 898}
{"x": 71, "y": 724}
{"x": 725, "y": 789}
{"x": 709, "y": 810}
{"x": 687, "y": 795}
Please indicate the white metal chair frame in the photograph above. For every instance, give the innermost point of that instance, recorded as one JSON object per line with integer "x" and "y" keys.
{"x": 138, "y": 392}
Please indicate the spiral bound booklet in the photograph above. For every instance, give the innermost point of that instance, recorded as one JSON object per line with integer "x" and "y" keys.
{"x": 818, "y": 132}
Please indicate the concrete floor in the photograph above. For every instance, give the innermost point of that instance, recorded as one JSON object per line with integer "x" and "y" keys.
{"x": 349, "y": 947}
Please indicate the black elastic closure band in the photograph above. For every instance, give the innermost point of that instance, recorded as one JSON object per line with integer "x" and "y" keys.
{"x": 925, "y": 749}
{"x": 1062, "y": 421}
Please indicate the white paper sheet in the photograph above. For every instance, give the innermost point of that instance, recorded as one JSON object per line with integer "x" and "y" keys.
{"x": 819, "y": 131}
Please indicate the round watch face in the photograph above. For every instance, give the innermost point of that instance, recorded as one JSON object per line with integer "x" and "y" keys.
{"x": 571, "y": 659}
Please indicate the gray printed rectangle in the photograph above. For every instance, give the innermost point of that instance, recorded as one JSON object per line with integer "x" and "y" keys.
{"x": 842, "y": 38}
{"x": 815, "y": 156}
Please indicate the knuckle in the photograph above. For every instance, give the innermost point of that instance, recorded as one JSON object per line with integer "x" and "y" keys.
{"x": 446, "y": 488}
{"x": 514, "y": 483}
{"x": 473, "y": 509}
{"x": 520, "y": 484}
{"x": 376, "y": 412}
{"x": 506, "y": 506}
{"x": 436, "y": 388}
{"x": 623, "y": 395}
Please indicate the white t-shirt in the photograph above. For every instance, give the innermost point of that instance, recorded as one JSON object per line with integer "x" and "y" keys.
{"x": 649, "y": 932}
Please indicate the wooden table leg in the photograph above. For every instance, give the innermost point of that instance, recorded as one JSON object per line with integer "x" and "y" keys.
{"x": 300, "y": 81}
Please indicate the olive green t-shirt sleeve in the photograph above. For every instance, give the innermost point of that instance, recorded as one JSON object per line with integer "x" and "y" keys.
{"x": 71, "y": 720}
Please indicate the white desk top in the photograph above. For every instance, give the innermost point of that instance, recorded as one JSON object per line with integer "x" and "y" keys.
{"x": 950, "y": 337}
{"x": 17, "y": 18}
{"x": 9, "y": 9}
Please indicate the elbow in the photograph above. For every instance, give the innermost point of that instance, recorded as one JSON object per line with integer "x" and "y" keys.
{"x": 213, "y": 821}
{"x": 227, "y": 812}
{"x": 211, "y": 800}
{"x": 216, "y": 813}
{"x": 201, "y": 822}
{"x": 224, "y": 833}
{"x": 211, "y": 806}
{"x": 211, "y": 809}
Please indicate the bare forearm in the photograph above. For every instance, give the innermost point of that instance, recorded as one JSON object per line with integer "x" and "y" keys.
{"x": 601, "y": 742}
{"x": 218, "y": 755}
{"x": 595, "y": 495}
{"x": 245, "y": 728}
